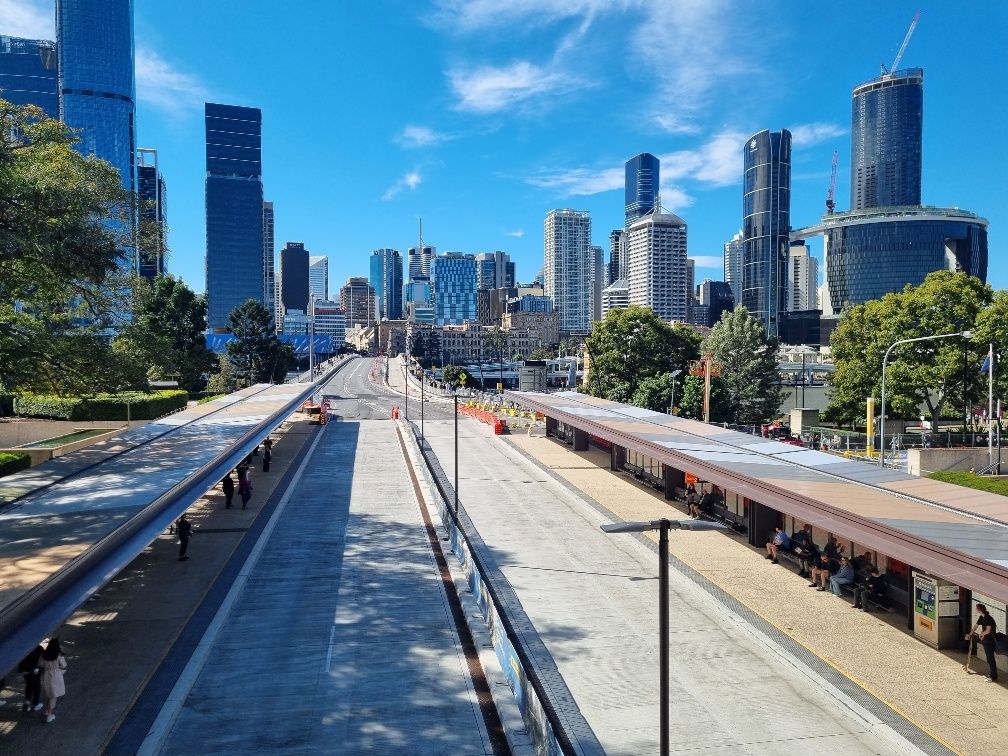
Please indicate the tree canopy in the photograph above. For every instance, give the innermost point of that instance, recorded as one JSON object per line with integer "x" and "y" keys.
{"x": 934, "y": 373}
{"x": 256, "y": 352}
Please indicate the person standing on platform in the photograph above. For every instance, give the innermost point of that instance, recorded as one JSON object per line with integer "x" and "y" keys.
{"x": 267, "y": 456}
{"x": 184, "y": 528}
{"x": 227, "y": 485}
{"x": 52, "y": 663}
{"x": 985, "y": 630}
{"x": 244, "y": 487}
{"x": 32, "y": 674}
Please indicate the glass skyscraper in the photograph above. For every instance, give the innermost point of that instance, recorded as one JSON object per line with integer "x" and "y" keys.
{"x": 641, "y": 185}
{"x": 453, "y": 289}
{"x": 494, "y": 270}
{"x": 419, "y": 261}
{"x": 28, "y": 73}
{"x": 318, "y": 276}
{"x": 153, "y": 212}
{"x": 235, "y": 269}
{"x": 386, "y": 278}
{"x": 733, "y": 265}
{"x": 886, "y": 123}
{"x": 294, "y": 277}
{"x": 766, "y": 211}
{"x": 96, "y": 82}
{"x": 269, "y": 262}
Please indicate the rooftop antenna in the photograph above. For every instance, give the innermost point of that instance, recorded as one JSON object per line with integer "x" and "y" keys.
{"x": 903, "y": 47}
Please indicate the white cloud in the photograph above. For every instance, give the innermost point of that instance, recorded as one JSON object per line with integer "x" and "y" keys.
{"x": 410, "y": 180}
{"x": 807, "y": 134}
{"x": 517, "y": 233}
{"x": 160, "y": 84}
{"x": 487, "y": 89}
{"x": 674, "y": 198}
{"x": 28, "y": 18}
{"x": 579, "y": 181}
{"x": 420, "y": 136}
{"x": 707, "y": 261}
{"x": 465, "y": 16}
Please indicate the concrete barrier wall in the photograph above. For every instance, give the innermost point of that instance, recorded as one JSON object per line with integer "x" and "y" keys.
{"x": 936, "y": 459}
{"x": 17, "y": 432}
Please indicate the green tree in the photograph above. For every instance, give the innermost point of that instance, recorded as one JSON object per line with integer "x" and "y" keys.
{"x": 256, "y": 352}
{"x": 654, "y": 393}
{"x": 992, "y": 328}
{"x": 542, "y": 353}
{"x": 748, "y": 366}
{"x": 691, "y": 404}
{"x": 496, "y": 342}
{"x": 929, "y": 374}
{"x": 631, "y": 345}
{"x": 454, "y": 376}
{"x": 224, "y": 380}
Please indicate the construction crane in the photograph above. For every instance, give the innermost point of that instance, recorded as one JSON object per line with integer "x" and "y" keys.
{"x": 903, "y": 47}
{"x": 830, "y": 204}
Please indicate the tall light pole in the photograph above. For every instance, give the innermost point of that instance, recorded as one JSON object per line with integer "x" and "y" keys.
{"x": 885, "y": 358}
{"x": 662, "y": 526}
{"x": 455, "y": 398}
{"x": 671, "y": 404}
{"x": 311, "y": 339}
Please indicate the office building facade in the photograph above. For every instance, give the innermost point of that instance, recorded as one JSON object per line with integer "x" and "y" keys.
{"x": 97, "y": 90}
{"x": 293, "y": 279}
{"x": 617, "y": 255}
{"x": 733, "y": 265}
{"x": 656, "y": 265}
{"x": 152, "y": 211}
{"x": 235, "y": 270}
{"x": 766, "y": 204}
{"x": 886, "y": 126}
{"x": 29, "y": 73}
{"x": 615, "y": 296}
{"x": 269, "y": 263}
{"x": 420, "y": 261}
{"x": 717, "y": 298}
{"x": 641, "y": 182}
{"x": 803, "y": 278}
{"x": 330, "y": 320}
{"x": 453, "y": 289}
{"x": 386, "y": 277}
{"x": 357, "y": 300}
{"x": 318, "y": 277}
{"x": 568, "y": 268}
{"x": 494, "y": 270}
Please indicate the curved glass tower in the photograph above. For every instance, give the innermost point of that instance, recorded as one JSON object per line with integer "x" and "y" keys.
{"x": 96, "y": 82}
{"x": 28, "y": 73}
{"x": 886, "y": 123}
{"x": 641, "y": 185}
{"x": 766, "y": 211}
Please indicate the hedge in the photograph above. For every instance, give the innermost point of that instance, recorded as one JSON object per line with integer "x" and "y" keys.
{"x": 102, "y": 406}
{"x": 11, "y": 462}
{"x": 210, "y": 398}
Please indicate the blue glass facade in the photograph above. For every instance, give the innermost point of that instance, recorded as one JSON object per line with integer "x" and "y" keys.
{"x": 386, "y": 278}
{"x": 886, "y": 124}
{"x": 641, "y": 185}
{"x": 234, "y": 210}
{"x": 871, "y": 254}
{"x": 766, "y": 210}
{"x": 28, "y": 71}
{"x": 96, "y": 83}
{"x": 453, "y": 288}
{"x": 152, "y": 198}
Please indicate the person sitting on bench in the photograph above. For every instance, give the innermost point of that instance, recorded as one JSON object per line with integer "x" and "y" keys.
{"x": 692, "y": 500}
{"x": 779, "y": 542}
{"x": 844, "y": 576}
{"x": 805, "y": 549}
{"x": 874, "y": 590}
{"x": 823, "y": 571}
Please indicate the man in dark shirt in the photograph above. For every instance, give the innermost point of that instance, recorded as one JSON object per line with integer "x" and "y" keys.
{"x": 184, "y": 533}
{"x": 875, "y": 587}
{"x": 805, "y": 549}
{"x": 985, "y": 629}
{"x": 823, "y": 571}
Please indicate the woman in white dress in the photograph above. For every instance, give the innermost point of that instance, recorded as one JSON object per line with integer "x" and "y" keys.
{"x": 52, "y": 664}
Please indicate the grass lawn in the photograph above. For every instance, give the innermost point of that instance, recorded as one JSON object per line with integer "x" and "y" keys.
{"x": 972, "y": 480}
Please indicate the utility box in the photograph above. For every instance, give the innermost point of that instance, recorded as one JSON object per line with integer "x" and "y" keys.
{"x": 936, "y": 611}
{"x": 532, "y": 377}
{"x": 803, "y": 418}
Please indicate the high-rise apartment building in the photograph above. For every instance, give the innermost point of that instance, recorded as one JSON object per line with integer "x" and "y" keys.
{"x": 656, "y": 265}
{"x": 235, "y": 269}
{"x": 386, "y": 268}
{"x": 453, "y": 288}
{"x": 357, "y": 300}
{"x": 269, "y": 263}
{"x": 600, "y": 279}
{"x": 733, "y": 265}
{"x": 615, "y": 296}
{"x": 886, "y": 126}
{"x": 293, "y": 278}
{"x": 28, "y": 73}
{"x": 803, "y": 277}
{"x": 568, "y": 268}
{"x": 690, "y": 279}
{"x": 494, "y": 270}
{"x": 318, "y": 276}
{"x": 96, "y": 79}
{"x": 766, "y": 203}
{"x": 152, "y": 211}
{"x": 641, "y": 185}
{"x": 617, "y": 255}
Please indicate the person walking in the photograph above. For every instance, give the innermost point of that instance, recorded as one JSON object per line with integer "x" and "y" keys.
{"x": 228, "y": 487}
{"x": 245, "y": 488}
{"x": 267, "y": 455}
{"x": 52, "y": 663}
{"x": 32, "y": 674}
{"x": 985, "y": 630}
{"x": 184, "y": 528}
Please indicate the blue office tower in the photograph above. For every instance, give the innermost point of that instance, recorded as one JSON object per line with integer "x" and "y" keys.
{"x": 234, "y": 210}
{"x": 453, "y": 289}
{"x": 642, "y": 181}
{"x": 28, "y": 73}
{"x": 766, "y": 211}
{"x": 152, "y": 210}
{"x": 96, "y": 83}
{"x": 386, "y": 278}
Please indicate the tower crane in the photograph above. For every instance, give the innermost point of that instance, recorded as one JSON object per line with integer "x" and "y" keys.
{"x": 830, "y": 204}
{"x": 903, "y": 47}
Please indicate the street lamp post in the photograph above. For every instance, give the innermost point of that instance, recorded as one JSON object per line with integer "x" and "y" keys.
{"x": 885, "y": 358}
{"x": 671, "y": 404}
{"x": 423, "y": 400}
{"x": 455, "y": 398}
{"x": 662, "y": 526}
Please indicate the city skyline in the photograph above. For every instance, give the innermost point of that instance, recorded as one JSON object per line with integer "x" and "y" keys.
{"x": 477, "y": 137}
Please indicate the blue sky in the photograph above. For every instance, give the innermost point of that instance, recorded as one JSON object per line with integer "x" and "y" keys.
{"x": 480, "y": 117}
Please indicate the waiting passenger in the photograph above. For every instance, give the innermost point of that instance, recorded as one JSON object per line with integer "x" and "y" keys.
{"x": 805, "y": 549}
{"x": 844, "y": 576}
{"x": 875, "y": 589}
{"x": 822, "y": 572}
{"x": 779, "y": 542}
